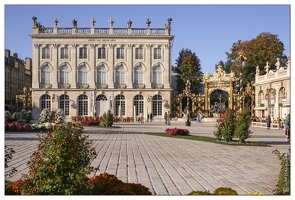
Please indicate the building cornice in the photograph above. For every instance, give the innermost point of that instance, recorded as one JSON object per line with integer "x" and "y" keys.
{"x": 51, "y": 36}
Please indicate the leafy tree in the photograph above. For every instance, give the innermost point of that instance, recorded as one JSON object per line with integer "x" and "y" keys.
{"x": 188, "y": 68}
{"x": 265, "y": 47}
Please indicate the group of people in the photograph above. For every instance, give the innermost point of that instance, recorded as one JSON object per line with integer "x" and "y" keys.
{"x": 167, "y": 118}
{"x": 199, "y": 118}
{"x": 140, "y": 117}
{"x": 286, "y": 120}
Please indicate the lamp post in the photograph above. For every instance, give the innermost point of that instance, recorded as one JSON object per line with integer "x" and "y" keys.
{"x": 187, "y": 92}
{"x": 241, "y": 64}
{"x": 149, "y": 100}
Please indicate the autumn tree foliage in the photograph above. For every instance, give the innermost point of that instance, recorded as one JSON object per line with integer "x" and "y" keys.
{"x": 266, "y": 47}
{"x": 188, "y": 68}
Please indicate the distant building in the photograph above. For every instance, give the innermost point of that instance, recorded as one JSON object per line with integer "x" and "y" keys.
{"x": 273, "y": 91}
{"x": 18, "y": 75}
{"x": 86, "y": 71}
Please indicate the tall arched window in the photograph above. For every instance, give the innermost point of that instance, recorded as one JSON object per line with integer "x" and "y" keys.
{"x": 45, "y": 74}
{"x": 82, "y": 105}
{"x": 101, "y": 75}
{"x": 83, "y": 75}
{"x": 120, "y": 75}
{"x": 157, "y": 105}
{"x": 64, "y": 75}
{"x": 120, "y": 101}
{"x": 157, "y": 75}
{"x": 282, "y": 96}
{"x": 45, "y": 102}
{"x": 138, "y": 75}
{"x": 138, "y": 103}
{"x": 261, "y": 99}
{"x": 64, "y": 103}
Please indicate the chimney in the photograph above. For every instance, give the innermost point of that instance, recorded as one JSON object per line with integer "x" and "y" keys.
{"x": 15, "y": 55}
{"x": 7, "y": 53}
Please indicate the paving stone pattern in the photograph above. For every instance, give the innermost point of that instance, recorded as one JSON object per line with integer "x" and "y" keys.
{"x": 170, "y": 166}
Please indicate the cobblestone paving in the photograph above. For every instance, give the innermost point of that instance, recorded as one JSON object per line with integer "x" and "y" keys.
{"x": 170, "y": 166}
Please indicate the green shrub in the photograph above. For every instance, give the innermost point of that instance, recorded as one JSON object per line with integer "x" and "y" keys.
{"x": 218, "y": 129}
{"x": 199, "y": 193}
{"x": 228, "y": 125}
{"x": 225, "y": 191}
{"x": 283, "y": 185}
{"x": 243, "y": 124}
{"x": 109, "y": 119}
{"x": 61, "y": 163}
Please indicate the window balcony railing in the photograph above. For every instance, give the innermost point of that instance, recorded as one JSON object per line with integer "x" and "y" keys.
{"x": 262, "y": 105}
{"x": 64, "y": 86}
{"x": 82, "y": 86}
{"x": 157, "y": 86}
{"x": 138, "y": 86}
{"x": 45, "y": 85}
{"x": 120, "y": 86}
{"x": 101, "y": 86}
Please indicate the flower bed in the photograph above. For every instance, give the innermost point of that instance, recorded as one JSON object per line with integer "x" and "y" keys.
{"x": 177, "y": 131}
{"x": 90, "y": 123}
{"x": 18, "y": 126}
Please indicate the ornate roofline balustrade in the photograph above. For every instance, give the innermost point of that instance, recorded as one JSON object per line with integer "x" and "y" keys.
{"x": 39, "y": 29}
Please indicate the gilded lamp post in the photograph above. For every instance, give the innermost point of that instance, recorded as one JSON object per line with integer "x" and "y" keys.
{"x": 187, "y": 93}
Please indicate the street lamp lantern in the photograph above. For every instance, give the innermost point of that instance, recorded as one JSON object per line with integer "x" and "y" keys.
{"x": 241, "y": 64}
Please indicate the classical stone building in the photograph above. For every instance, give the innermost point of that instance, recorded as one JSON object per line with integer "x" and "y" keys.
{"x": 273, "y": 91}
{"x": 17, "y": 76}
{"x": 86, "y": 71}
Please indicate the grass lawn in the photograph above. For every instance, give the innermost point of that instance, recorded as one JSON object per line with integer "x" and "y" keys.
{"x": 211, "y": 139}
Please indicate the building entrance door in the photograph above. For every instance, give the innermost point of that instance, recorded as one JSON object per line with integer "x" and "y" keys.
{"x": 101, "y": 105}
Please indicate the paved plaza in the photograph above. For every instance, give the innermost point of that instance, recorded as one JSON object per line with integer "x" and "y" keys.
{"x": 170, "y": 166}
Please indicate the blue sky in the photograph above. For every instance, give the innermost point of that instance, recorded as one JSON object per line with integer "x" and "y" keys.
{"x": 207, "y": 30}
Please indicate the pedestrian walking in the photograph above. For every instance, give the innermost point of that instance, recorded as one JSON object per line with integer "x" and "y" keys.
{"x": 287, "y": 127}
{"x": 284, "y": 120}
{"x": 165, "y": 117}
{"x": 168, "y": 118}
{"x": 268, "y": 121}
{"x": 151, "y": 117}
{"x": 200, "y": 118}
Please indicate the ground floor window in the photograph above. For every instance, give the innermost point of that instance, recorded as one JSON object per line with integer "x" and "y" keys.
{"x": 45, "y": 102}
{"x": 64, "y": 104}
{"x": 120, "y": 105}
{"x": 82, "y": 105}
{"x": 138, "y": 103}
{"x": 157, "y": 105}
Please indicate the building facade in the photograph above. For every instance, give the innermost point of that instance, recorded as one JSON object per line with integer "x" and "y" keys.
{"x": 18, "y": 74}
{"x": 273, "y": 91}
{"x": 86, "y": 71}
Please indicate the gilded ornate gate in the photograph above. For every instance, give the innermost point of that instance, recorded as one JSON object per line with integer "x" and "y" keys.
{"x": 201, "y": 103}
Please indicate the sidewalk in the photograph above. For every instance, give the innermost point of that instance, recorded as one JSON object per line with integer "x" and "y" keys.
{"x": 170, "y": 166}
